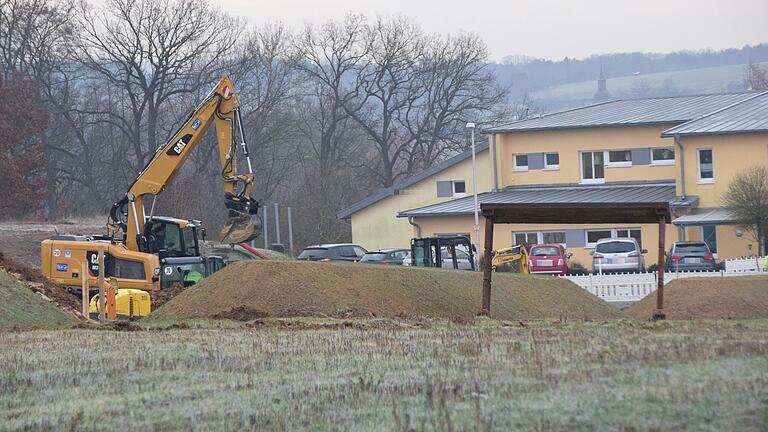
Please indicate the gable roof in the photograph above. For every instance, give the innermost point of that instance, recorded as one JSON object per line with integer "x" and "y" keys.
{"x": 660, "y": 110}
{"x": 750, "y": 115}
{"x": 614, "y": 193}
{"x": 402, "y": 184}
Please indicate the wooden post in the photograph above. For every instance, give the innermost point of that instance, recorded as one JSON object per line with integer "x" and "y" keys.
{"x": 658, "y": 314}
{"x": 102, "y": 270}
{"x": 487, "y": 263}
{"x": 85, "y": 288}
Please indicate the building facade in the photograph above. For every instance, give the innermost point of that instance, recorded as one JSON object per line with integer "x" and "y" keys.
{"x": 682, "y": 150}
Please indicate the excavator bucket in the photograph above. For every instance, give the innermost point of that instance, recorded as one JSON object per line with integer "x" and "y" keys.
{"x": 241, "y": 228}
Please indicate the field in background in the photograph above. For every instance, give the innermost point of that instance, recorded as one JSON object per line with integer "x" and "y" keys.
{"x": 692, "y": 81}
{"x": 488, "y": 376}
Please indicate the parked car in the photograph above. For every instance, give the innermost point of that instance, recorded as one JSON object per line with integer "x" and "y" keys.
{"x": 385, "y": 257}
{"x": 690, "y": 256}
{"x": 333, "y": 252}
{"x": 621, "y": 254}
{"x": 548, "y": 258}
{"x": 462, "y": 259}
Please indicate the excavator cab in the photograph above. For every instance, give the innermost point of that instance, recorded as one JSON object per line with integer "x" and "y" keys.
{"x": 456, "y": 252}
{"x": 170, "y": 237}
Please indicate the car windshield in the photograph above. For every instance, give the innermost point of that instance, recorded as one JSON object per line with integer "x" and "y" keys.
{"x": 545, "y": 250}
{"x": 691, "y": 247}
{"x": 313, "y": 253}
{"x": 374, "y": 256}
{"x": 615, "y": 247}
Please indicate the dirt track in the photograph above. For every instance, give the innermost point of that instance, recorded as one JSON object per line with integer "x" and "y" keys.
{"x": 255, "y": 289}
{"x": 742, "y": 297}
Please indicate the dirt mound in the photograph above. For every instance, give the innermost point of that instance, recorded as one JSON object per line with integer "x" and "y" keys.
{"x": 251, "y": 289}
{"x": 35, "y": 280}
{"x": 21, "y": 308}
{"x": 742, "y": 297}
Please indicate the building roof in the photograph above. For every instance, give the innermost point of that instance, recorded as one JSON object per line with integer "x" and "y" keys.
{"x": 660, "y": 110}
{"x": 614, "y": 194}
{"x": 705, "y": 216}
{"x": 750, "y": 115}
{"x": 402, "y": 184}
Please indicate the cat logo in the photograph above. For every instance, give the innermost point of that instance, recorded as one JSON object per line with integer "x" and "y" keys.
{"x": 177, "y": 148}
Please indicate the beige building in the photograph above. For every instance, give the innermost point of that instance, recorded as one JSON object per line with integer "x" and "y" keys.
{"x": 681, "y": 150}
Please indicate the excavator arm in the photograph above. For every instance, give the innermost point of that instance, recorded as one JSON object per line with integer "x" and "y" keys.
{"x": 517, "y": 253}
{"x": 220, "y": 108}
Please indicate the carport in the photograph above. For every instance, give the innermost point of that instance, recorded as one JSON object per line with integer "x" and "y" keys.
{"x": 574, "y": 213}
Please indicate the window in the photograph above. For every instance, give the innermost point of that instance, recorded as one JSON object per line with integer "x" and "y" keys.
{"x": 459, "y": 188}
{"x": 709, "y": 235}
{"x": 633, "y": 233}
{"x": 553, "y": 237}
{"x": 552, "y": 161}
{"x": 594, "y": 235}
{"x": 663, "y": 156}
{"x": 619, "y": 158}
{"x": 521, "y": 162}
{"x": 592, "y": 167}
{"x": 534, "y": 237}
{"x": 123, "y": 268}
{"x": 706, "y": 166}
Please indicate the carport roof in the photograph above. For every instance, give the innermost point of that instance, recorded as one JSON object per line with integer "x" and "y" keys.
{"x": 605, "y": 196}
{"x": 706, "y": 216}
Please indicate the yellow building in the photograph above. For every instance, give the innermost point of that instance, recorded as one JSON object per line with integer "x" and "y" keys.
{"x": 610, "y": 153}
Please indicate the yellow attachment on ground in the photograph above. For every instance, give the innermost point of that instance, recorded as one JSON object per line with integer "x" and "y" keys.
{"x": 129, "y": 303}
{"x": 517, "y": 253}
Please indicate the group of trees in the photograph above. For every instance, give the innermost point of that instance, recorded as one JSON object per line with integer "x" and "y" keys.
{"x": 331, "y": 112}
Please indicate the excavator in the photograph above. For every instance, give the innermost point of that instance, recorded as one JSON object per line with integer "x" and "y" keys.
{"x": 145, "y": 251}
{"x": 517, "y": 255}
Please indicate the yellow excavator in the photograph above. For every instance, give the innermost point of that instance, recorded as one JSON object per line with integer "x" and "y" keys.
{"x": 141, "y": 250}
{"x": 517, "y": 254}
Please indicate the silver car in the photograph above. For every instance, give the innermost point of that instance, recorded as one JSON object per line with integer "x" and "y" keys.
{"x": 621, "y": 254}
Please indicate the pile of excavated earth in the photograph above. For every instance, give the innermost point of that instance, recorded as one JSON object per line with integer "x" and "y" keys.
{"x": 738, "y": 297}
{"x": 255, "y": 289}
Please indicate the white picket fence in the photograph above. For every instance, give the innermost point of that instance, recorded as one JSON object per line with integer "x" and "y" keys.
{"x": 631, "y": 287}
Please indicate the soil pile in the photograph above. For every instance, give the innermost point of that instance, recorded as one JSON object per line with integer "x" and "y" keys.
{"x": 34, "y": 280}
{"x": 743, "y": 297}
{"x": 255, "y": 289}
{"x": 21, "y": 308}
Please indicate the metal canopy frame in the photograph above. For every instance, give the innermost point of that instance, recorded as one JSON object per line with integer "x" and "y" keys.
{"x": 569, "y": 213}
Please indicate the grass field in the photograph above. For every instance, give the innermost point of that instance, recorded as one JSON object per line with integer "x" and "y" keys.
{"x": 618, "y": 375}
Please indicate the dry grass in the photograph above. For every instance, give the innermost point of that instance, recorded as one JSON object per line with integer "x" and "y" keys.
{"x": 255, "y": 289}
{"x": 617, "y": 375}
{"x": 742, "y": 297}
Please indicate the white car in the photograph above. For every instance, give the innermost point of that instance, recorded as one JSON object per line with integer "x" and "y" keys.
{"x": 620, "y": 254}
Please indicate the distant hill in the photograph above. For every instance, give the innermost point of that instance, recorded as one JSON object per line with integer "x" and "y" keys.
{"x": 523, "y": 75}
{"x": 718, "y": 79}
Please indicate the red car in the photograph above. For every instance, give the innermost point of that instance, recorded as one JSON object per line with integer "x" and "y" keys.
{"x": 548, "y": 258}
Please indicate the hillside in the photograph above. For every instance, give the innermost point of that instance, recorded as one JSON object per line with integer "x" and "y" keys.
{"x": 21, "y": 308}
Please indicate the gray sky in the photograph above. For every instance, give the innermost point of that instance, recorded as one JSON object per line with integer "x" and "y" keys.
{"x": 549, "y": 28}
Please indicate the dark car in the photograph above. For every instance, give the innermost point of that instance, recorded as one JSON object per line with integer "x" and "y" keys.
{"x": 385, "y": 257}
{"x": 333, "y": 252}
{"x": 690, "y": 256}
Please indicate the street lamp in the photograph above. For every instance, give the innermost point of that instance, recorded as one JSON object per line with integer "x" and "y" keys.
{"x": 471, "y": 127}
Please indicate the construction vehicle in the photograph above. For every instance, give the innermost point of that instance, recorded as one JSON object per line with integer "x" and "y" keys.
{"x": 517, "y": 255}
{"x": 130, "y": 304}
{"x": 137, "y": 244}
{"x": 455, "y": 252}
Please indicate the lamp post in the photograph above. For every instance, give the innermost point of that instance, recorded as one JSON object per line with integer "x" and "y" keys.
{"x": 471, "y": 127}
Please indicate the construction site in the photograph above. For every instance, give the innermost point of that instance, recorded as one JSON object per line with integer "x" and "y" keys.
{"x": 268, "y": 228}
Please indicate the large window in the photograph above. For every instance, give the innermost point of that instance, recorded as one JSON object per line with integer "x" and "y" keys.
{"x": 706, "y": 166}
{"x": 592, "y": 167}
{"x": 592, "y": 236}
{"x": 551, "y": 161}
{"x": 530, "y": 238}
{"x": 521, "y": 162}
{"x": 663, "y": 156}
{"x": 619, "y": 158}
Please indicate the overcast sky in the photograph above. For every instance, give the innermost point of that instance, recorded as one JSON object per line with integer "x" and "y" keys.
{"x": 549, "y": 28}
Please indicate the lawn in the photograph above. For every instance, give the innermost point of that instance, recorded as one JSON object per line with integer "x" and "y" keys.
{"x": 390, "y": 375}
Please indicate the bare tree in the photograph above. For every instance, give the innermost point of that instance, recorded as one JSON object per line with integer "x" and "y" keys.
{"x": 747, "y": 199}
{"x": 154, "y": 51}
{"x": 756, "y": 76}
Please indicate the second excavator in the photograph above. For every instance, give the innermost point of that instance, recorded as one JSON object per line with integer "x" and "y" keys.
{"x": 137, "y": 242}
